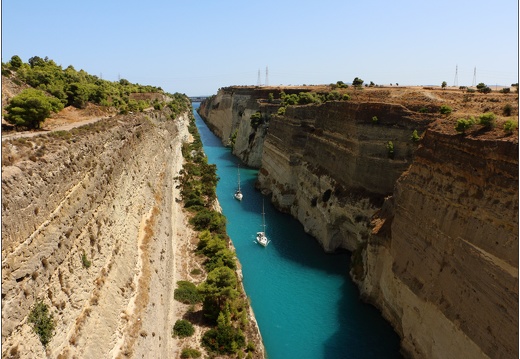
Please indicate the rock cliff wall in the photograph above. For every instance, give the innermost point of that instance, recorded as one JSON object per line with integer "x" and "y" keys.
{"x": 452, "y": 249}
{"x": 81, "y": 221}
{"x": 228, "y": 115}
{"x": 329, "y": 165}
{"x": 433, "y": 225}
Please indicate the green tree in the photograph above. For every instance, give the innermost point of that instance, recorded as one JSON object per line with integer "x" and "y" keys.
{"x": 223, "y": 258}
{"x": 36, "y": 61}
{"x": 483, "y": 88}
{"x": 225, "y": 338}
{"x": 357, "y": 82}
{"x": 16, "y": 62}
{"x": 444, "y": 84}
{"x": 31, "y": 107}
{"x": 219, "y": 287}
{"x": 78, "y": 95}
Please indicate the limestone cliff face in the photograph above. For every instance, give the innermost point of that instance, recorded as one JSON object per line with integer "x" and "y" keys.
{"x": 330, "y": 165}
{"x": 433, "y": 224}
{"x": 228, "y": 115}
{"x": 90, "y": 198}
{"x": 448, "y": 269}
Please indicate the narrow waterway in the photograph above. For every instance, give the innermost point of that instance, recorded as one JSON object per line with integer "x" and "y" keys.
{"x": 304, "y": 301}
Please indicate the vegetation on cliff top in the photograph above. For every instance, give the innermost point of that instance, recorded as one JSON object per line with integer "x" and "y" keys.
{"x": 52, "y": 88}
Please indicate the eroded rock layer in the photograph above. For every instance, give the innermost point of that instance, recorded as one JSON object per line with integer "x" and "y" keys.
{"x": 90, "y": 215}
{"x": 453, "y": 248}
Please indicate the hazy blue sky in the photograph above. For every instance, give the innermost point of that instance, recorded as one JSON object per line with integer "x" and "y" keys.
{"x": 195, "y": 47}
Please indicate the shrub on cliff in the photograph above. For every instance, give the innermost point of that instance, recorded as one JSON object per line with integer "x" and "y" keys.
{"x": 84, "y": 260}
{"x": 256, "y": 119}
{"x": 390, "y": 149}
{"x": 305, "y": 98}
{"x": 464, "y": 124}
{"x": 415, "y": 136}
{"x": 190, "y": 353}
{"x": 510, "y": 126}
{"x": 445, "y": 110}
{"x": 487, "y": 119}
{"x": 183, "y": 328}
{"x": 42, "y": 321}
{"x": 507, "y": 110}
{"x": 187, "y": 293}
{"x": 334, "y": 96}
{"x": 288, "y": 100}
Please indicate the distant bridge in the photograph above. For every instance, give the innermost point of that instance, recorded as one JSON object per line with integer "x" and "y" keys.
{"x": 198, "y": 98}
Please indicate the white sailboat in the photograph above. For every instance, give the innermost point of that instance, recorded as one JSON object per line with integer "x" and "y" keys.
{"x": 238, "y": 193}
{"x": 261, "y": 238}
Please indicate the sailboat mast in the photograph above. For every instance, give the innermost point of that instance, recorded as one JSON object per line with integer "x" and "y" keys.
{"x": 238, "y": 169}
{"x": 263, "y": 215}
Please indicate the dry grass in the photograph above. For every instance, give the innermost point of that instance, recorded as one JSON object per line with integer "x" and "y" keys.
{"x": 142, "y": 298}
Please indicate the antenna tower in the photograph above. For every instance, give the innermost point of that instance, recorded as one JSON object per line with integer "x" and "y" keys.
{"x": 456, "y": 81}
{"x": 258, "y": 82}
{"x": 474, "y": 83}
{"x": 267, "y": 76}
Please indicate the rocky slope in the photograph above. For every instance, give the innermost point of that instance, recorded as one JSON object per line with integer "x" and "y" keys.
{"x": 433, "y": 224}
{"x": 82, "y": 221}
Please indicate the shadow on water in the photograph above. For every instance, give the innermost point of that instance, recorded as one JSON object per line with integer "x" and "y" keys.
{"x": 357, "y": 336}
{"x": 304, "y": 301}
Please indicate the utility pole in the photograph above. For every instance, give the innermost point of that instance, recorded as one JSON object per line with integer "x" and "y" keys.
{"x": 266, "y": 76}
{"x": 456, "y": 81}
{"x": 474, "y": 83}
{"x": 258, "y": 82}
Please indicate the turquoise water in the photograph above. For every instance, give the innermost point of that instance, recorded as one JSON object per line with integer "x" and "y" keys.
{"x": 305, "y": 304}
